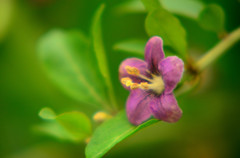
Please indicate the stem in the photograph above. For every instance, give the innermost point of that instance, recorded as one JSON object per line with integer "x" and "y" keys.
{"x": 218, "y": 50}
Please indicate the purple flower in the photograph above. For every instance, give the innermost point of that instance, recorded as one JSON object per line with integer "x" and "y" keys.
{"x": 151, "y": 84}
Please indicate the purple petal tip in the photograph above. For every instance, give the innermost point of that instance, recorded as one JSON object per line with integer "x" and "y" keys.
{"x": 154, "y": 52}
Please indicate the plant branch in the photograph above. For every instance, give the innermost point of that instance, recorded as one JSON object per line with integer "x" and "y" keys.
{"x": 218, "y": 50}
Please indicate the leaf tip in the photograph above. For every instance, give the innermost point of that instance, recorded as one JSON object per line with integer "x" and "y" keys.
{"x": 47, "y": 113}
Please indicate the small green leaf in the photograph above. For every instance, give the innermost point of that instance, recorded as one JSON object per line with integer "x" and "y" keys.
{"x": 70, "y": 64}
{"x": 74, "y": 126}
{"x": 160, "y": 22}
{"x": 77, "y": 123}
{"x": 54, "y": 129}
{"x": 47, "y": 113}
{"x": 212, "y": 18}
{"x": 188, "y": 8}
{"x": 134, "y": 46}
{"x": 110, "y": 133}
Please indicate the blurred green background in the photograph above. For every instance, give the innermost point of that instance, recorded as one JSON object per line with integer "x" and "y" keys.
{"x": 209, "y": 127}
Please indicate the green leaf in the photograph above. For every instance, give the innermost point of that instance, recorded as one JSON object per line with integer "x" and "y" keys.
{"x": 98, "y": 43}
{"x": 77, "y": 123}
{"x": 134, "y": 46}
{"x": 70, "y": 64}
{"x": 110, "y": 133}
{"x": 73, "y": 126}
{"x": 160, "y": 22}
{"x": 100, "y": 51}
{"x": 194, "y": 9}
{"x": 47, "y": 113}
{"x": 212, "y": 18}
{"x": 188, "y": 8}
{"x": 54, "y": 129}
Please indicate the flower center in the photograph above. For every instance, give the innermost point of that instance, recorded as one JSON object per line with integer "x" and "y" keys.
{"x": 155, "y": 83}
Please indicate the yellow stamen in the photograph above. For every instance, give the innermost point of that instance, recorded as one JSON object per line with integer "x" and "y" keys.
{"x": 134, "y": 86}
{"x": 126, "y": 80}
{"x": 155, "y": 83}
{"x": 135, "y": 71}
{"x": 132, "y": 70}
{"x": 128, "y": 83}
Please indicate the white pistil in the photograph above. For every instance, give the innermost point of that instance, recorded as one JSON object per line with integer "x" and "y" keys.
{"x": 157, "y": 85}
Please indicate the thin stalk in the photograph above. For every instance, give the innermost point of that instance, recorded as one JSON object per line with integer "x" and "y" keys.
{"x": 218, "y": 50}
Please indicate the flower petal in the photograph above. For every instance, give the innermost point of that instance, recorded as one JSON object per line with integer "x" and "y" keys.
{"x": 165, "y": 107}
{"x": 154, "y": 53}
{"x": 171, "y": 69}
{"x": 133, "y": 62}
{"x": 138, "y": 109}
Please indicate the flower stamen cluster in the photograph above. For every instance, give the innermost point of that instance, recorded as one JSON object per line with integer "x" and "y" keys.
{"x": 155, "y": 83}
